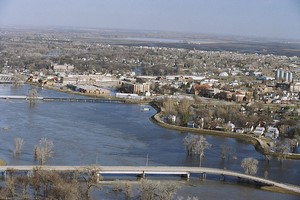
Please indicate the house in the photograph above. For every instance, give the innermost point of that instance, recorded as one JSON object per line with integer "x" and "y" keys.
{"x": 172, "y": 119}
{"x": 191, "y": 124}
{"x": 272, "y": 132}
{"x": 239, "y": 130}
{"x": 295, "y": 87}
{"x": 202, "y": 90}
{"x": 259, "y": 131}
{"x": 225, "y": 95}
{"x": 230, "y": 126}
{"x": 62, "y": 68}
{"x": 248, "y": 128}
{"x": 239, "y": 96}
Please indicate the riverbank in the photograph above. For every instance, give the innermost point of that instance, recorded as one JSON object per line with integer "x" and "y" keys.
{"x": 98, "y": 96}
{"x": 259, "y": 144}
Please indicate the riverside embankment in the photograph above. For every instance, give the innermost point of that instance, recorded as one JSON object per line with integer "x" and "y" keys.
{"x": 259, "y": 144}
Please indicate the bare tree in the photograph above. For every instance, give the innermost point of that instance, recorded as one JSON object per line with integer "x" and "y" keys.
{"x": 166, "y": 190}
{"x": 228, "y": 152}
{"x": 200, "y": 147}
{"x": 147, "y": 189}
{"x": 32, "y": 95}
{"x": 91, "y": 176}
{"x": 190, "y": 142}
{"x": 19, "y": 143}
{"x": 169, "y": 106}
{"x": 268, "y": 158}
{"x": 44, "y": 150}
{"x": 293, "y": 144}
{"x": 45, "y": 184}
{"x": 250, "y": 165}
{"x": 282, "y": 149}
{"x": 128, "y": 190}
{"x": 11, "y": 185}
{"x": 196, "y": 144}
{"x": 184, "y": 110}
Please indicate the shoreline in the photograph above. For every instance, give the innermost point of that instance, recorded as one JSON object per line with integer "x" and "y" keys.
{"x": 258, "y": 144}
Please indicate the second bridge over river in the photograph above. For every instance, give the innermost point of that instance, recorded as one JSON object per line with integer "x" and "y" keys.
{"x": 62, "y": 99}
{"x": 143, "y": 171}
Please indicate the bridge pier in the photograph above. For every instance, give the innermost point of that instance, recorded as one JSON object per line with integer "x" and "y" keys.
{"x": 203, "y": 176}
{"x": 98, "y": 177}
{"x": 186, "y": 176}
{"x": 222, "y": 178}
{"x": 143, "y": 175}
{"x": 4, "y": 174}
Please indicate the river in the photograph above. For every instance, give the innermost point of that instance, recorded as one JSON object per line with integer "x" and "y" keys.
{"x": 118, "y": 134}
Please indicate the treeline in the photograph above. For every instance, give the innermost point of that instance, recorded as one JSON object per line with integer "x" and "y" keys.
{"x": 79, "y": 185}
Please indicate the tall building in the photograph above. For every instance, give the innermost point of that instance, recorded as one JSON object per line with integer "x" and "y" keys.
{"x": 282, "y": 75}
{"x": 290, "y": 77}
{"x": 277, "y": 76}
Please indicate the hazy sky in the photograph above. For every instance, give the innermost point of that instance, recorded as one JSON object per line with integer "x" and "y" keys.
{"x": 266, "y": 18}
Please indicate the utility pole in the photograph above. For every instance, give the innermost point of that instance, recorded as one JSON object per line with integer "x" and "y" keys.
{"x": 147, "y": 160}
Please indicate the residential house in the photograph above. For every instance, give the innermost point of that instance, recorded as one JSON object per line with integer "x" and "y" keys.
{"x": 248, "y": 128}
{"x": 172, "y": 119}
{"x": 239, "y": 130}
{"x": 226, "y": 95}
{"x": 259, "y": 131}
{"x": 239, "y": 96}
{"x": 272, "y": 132}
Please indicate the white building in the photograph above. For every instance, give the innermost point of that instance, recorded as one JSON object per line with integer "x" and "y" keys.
{"x": 259, "y": 131}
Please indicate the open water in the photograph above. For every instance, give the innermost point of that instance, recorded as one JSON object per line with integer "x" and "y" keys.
{"x": 122, "y": 134}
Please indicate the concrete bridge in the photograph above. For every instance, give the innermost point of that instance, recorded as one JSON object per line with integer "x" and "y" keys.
{"x": 62, "y": 99}
{"x": 6, "y": 79}
{"x": 143, "y": 171}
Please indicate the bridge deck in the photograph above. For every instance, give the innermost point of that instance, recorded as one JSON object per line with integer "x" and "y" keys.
{"x": 63, "y": 99}
{"x": 167, "y": 170}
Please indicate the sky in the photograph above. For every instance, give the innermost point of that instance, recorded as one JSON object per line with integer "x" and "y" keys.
{"x": 258, "y": 18}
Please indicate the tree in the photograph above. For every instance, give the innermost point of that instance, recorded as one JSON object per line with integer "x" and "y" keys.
{"x": 147, "y": 189}
{"x": 45, "y": 184}
{"x": 250, "y": 165}
{"x": 184, "y": 110}
{"x": 44, "y": 150}
{"x": 282, "y": 149}
{"x": 32, "y": 95}
{"x": 293, "y": 144}
{"x": 150, "y": 190}
{"x": 169, "y": 106}
{"x": 190, "y": 142}
{"x": 91, "y": 177}
{"x": 128, "y": 190}
{"x": 11, "y": 185}
{"x": 196, "y": 144}
{"x": 200, "y": 147}
{"x": 227, "y": 152}
{"x": 19, "y": 143}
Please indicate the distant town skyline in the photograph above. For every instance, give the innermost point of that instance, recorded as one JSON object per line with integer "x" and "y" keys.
{"x": 252, "y": 18}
